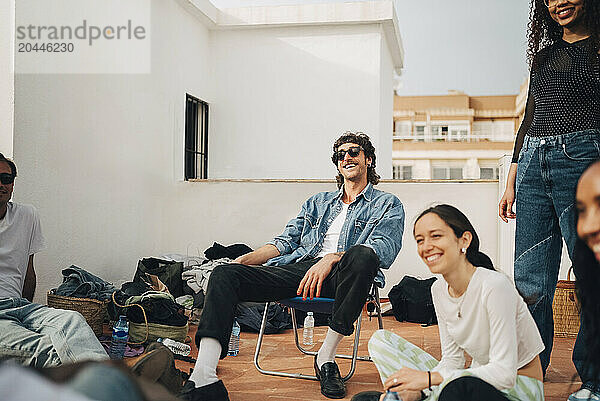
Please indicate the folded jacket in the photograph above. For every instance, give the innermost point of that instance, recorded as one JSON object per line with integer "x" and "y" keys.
{"x": 80, "y": 283}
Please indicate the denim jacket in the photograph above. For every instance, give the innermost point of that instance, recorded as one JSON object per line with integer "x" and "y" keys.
{"x": 375, "y": 219}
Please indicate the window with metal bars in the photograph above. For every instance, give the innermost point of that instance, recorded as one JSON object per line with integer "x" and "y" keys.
{"x": 196, "y": 138}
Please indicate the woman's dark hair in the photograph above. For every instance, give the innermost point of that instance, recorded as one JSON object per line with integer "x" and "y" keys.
{"x": 11, "y": 164}
{"x": 543, "y": 31}
{"x": 459, "y": 223}
{"x": 587, "y": 272}
{"x": 364, "y": 142}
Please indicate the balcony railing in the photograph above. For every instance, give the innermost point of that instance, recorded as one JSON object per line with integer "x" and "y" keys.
{"x": 474, "y": 137}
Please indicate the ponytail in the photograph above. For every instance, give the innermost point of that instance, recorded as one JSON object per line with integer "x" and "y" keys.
{"x": 478, "y": 258}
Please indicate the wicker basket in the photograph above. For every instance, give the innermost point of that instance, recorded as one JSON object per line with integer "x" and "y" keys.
{"x": 92, "y": 310}
{"x": 565, "y": 308}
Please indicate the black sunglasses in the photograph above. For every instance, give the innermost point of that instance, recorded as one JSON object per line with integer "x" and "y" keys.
{"x": 352, "y": 151}
{"x": 7, "y": 179}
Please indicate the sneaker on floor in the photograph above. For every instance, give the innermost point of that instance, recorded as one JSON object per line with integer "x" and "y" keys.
{"x": 211, "y": 392}
{"x": 584, "y": 394}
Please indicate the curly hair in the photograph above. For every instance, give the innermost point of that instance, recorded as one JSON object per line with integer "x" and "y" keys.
{"x": 543, "y": 31}
{"x": 364, "y": 142}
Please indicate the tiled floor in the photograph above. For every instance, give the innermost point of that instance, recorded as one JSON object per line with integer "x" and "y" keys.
{"x": 245, "y": 383}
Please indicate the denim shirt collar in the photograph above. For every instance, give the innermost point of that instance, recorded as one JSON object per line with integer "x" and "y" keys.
{"x": 366, "y": 193}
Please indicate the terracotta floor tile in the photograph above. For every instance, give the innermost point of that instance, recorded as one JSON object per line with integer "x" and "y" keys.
{"x": 245, "y": 383}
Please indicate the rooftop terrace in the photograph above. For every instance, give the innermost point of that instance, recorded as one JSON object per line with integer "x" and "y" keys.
{"x": 245, "y": 383}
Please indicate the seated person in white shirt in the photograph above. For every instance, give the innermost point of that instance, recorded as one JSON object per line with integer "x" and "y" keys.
{"x": 31, "y": 333}
{"x": 479, "y": 312}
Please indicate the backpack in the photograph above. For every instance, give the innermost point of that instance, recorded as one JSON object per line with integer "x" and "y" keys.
{"x": 249, "y": 316}
{"x": 412, "y": 302}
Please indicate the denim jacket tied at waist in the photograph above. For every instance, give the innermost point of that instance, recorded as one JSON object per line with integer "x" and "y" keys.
{"x": 375, "y": 219}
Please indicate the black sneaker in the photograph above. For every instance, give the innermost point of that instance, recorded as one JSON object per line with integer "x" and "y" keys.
{"x": 212, "y": 392}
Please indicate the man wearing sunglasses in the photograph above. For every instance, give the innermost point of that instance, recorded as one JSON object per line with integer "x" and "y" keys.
{"x": 31, "y": 333}
{"x": 335, "y": 248}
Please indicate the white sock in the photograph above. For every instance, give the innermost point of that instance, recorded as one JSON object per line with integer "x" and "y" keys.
{"x": 329, "y": 347}
{"x": 205, "y": 369}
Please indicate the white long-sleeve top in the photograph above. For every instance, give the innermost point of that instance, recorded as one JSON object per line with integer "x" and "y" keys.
{"x": 490, "y": 322}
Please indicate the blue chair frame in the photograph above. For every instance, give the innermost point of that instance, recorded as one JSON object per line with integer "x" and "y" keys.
{"x": 319, "y": 305}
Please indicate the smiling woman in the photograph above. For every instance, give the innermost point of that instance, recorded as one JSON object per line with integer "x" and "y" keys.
{"x": 501, "y": 337}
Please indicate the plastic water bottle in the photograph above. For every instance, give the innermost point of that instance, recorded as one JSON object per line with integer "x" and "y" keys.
{"x": 175, "y": 346}
{"x": 392, "y": 396}
{"x": 308, "y": 331}
{"x": 234, "y": 340}
{"x": 120, "y": 335}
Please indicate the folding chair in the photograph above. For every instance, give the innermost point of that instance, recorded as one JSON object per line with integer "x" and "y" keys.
{"x": 319, "y": 305}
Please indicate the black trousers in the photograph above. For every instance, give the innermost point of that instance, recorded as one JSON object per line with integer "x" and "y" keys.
{"x": 471, "y": 388}
{"x": 348, "y": 282}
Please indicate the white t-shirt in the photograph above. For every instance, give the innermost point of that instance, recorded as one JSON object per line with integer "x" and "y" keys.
{"x": 494, "y": 327}
{"x": 332, "y": 236}
{"x": 20, "y": 237}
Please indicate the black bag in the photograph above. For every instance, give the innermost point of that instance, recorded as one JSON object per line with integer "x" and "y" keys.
{"x": 249, "y": 316}
{"x": 412, "y": 302}
{"x": 156, "y": 310}
{"x": 168, "y": 272}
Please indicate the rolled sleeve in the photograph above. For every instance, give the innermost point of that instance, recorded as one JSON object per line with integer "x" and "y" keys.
{"x": 282, "y": 246}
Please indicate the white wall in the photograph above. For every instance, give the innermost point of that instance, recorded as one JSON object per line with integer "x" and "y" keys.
{"x": 101, "y": 156}
{"x": 7, "y": 29}
{"x": 288, "y": 93}
{"x": 109, "y": 241}
{"x": 253, "y": 212}
{"x": 96, "y": 152}
{"x": 386, "y": 112}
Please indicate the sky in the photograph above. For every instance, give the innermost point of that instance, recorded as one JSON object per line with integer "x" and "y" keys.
{"x": 475, "y": 46}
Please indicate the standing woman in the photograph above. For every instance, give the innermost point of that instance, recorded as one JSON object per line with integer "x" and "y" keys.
{"x": 479, "y": 312}
{"x": 558, "y": 139}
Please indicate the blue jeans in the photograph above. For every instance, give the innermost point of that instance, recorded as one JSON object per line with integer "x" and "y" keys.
{"x": 547, "y": 175}
{"x": 105, "y": 383}
{"x": 40, "y": 336}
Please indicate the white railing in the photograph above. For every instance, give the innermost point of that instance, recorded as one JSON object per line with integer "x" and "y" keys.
{"x": 474, "y": 137}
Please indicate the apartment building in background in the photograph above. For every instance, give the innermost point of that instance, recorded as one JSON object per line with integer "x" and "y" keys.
{"x": 454, "y": 136}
